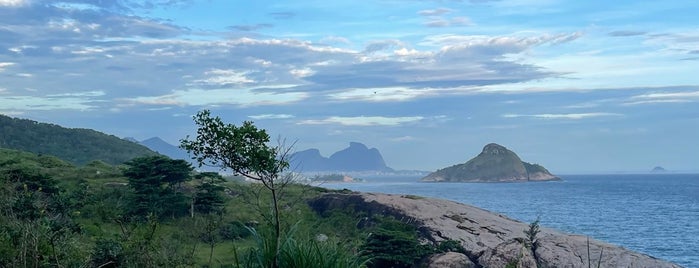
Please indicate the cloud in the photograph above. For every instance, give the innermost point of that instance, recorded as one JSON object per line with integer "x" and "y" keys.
{"x": 56, "y": 102}
{"x": 4, "y": 65}
{"x": 302, "y": 72}
{"x": 223, "y": 96}
{"x": 363, "y": 121}
{"x": 626, "y": 33}
{"x": 508, "y": 44}
{"x": 403, "y": 139}
{"x": 381, "y": 94}
{"x": 435, "y": 12}
{"x": 442, "y": 22}
{"x": 219, "y": 77}
{"x": 664, "y": 97}
{"x": 271, "y": 116}
{"x": 95, "y": 93}
{"x": 573, "y": 116}
{"x": 252, "y": 27}
{"x": 335, "y": 40}
{"x": 12, "y": 3}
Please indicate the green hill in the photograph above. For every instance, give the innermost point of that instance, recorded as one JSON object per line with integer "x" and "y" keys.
{"x": 77, "y": 146}
{"x": 494, "y": 164}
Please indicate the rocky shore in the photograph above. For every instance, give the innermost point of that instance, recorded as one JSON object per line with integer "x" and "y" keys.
{"x": 489, "y": 239}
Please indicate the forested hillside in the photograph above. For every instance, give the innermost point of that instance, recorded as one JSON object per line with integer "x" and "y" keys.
{"x": 77, "y": 146}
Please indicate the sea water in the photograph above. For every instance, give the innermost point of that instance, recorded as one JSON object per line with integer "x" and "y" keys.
{"x": 654, "y": 214}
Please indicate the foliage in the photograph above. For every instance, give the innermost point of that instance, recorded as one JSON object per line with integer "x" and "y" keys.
{"x": 245, "y": 151}
{"x": 209, "y": 196}
{"x": 393, "y": 244}
{"x": 156, "y": 183}
{"x": 299, "y": 253}
{"x": 77, "y": 146}
{"x": 36, "y": 227}
{"x": 531, "y": 233}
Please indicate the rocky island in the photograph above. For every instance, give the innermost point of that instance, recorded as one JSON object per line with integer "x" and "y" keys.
{"x": 494, "y": 164}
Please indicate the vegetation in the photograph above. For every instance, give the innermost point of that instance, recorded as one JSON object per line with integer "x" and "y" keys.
{"x": 77, "y": 146}
{"x": 532, "y": 241}
{"x": 153, "y": 211}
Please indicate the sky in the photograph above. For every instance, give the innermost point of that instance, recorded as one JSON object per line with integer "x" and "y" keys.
{"x": 576, "y": 86}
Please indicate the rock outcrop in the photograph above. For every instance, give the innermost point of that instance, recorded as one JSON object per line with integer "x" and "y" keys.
{"x": 494, "y": 164}
{"x": 489, "y": 239}
{"x": 356, "y": 157}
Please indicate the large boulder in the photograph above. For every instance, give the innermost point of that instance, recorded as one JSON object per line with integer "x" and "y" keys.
{"x": 449, "y": 260}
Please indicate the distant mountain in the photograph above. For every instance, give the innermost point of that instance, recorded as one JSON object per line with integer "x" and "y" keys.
{"x": 355, "y": 158}
{"x": 494, "y": 164}
{"x": 658, "y": 169}
{"x": 75, "y": 145}
{"x": 162, "y": 147}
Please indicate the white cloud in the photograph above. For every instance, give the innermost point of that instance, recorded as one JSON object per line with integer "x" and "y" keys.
{"x": 222, "y": 96}
{"x": 403, "y": 139}
{"x": 364, "y": 121}
{"x": 516, "y": 42}
{"x": 12, "y": 3}
{"x": 381, "y": 94}
{"x": 335, "y": 40}
{"x": 32, "y": 103}
{"x": 574, "y": 116}
{"x": 4, "y": 65}
{"x": 664, "y": 97}
{"x": 219, "y": 77}
{"x": 271, "y": 116}
{"x": 95, "y": 93}
{"x": 11, "y": 113}
{"x": 435, "y": 12}
{"x": 300, "y": 73}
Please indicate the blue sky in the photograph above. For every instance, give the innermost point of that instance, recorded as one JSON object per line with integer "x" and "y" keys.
{"x": 577, "y": 86}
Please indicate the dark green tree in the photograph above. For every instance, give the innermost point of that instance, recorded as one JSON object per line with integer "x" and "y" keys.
{"x": 244, "y": 150}
{"x": 156, "y": 182}
{"x": 209, "y": 198}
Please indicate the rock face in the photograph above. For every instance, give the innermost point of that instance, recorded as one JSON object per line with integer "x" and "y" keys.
{"x": 356, "y": 157}
{"x": 450, "y": 260}
{"x": 494, "y": 164}
{"x": 489, "y": 239}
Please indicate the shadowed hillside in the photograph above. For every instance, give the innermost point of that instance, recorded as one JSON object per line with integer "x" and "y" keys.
{"x": 77, "y": 146}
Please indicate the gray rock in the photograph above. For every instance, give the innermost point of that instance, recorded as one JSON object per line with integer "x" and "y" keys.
{"x": 449, "y": 260}
{"x": 490, "y": 239}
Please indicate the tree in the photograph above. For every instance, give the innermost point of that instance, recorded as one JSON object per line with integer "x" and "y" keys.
{"x": 156, "y": 183}
{"x": 209, "y": 196}
{"x": 244, "y": 150}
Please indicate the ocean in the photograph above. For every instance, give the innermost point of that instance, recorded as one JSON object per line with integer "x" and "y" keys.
{"x": 654, "y": 214}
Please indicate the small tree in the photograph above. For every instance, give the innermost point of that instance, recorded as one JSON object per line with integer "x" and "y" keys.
{"x": 244, "y": 150}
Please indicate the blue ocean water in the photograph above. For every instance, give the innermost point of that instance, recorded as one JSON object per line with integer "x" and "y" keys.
{"x": 654, "y": 214}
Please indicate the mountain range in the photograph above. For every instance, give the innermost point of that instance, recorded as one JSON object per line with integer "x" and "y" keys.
{"x": 355, "y": 158}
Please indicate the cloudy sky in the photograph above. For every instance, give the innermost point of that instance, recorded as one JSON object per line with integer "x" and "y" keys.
{"x": 577, "y": 86}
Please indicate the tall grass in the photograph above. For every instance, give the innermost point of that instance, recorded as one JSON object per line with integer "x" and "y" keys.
{"x": 298, "y": 253}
